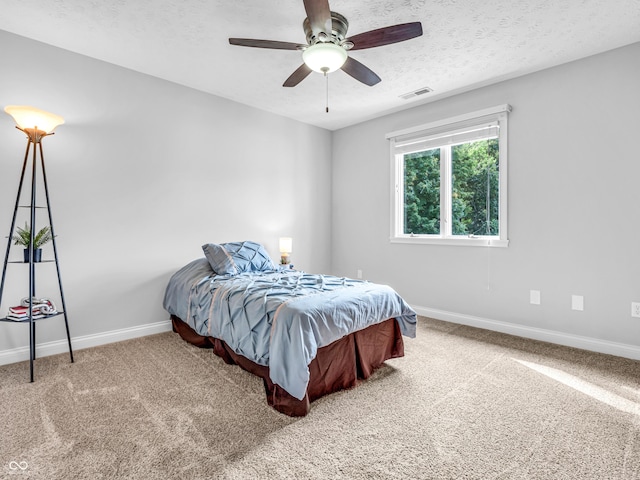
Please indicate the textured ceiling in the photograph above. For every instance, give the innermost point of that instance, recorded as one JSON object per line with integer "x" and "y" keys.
{"x": 466, "y": 44}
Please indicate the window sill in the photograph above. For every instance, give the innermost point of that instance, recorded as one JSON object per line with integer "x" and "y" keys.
{"x": 459, "y": 242}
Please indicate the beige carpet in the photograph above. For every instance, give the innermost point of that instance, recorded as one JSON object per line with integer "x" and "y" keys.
{"x": 462, "y": 404}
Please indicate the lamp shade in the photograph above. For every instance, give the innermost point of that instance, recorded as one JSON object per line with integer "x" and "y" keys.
{"x": 324, "y": 57}
{"x": 33, "y": 118}
{"x": 286, "y": 244}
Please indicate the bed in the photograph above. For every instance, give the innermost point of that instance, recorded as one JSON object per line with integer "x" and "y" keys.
{"x": 306, "y": 335}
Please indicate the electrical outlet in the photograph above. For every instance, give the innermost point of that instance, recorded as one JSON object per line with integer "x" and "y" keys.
{"x": 359, "y": 273}
{"x": 635, "y": 309}
{"x": 577, "y": 302}
{"x": 534, "y": 297}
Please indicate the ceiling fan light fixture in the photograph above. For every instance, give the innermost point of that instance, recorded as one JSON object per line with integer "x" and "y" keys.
{"x": 324, "y": 57}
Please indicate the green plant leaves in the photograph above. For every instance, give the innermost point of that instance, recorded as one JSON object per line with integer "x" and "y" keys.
{"x": 23, "y": 236}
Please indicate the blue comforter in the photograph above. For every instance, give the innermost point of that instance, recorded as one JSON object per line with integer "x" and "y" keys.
{"x": 279, "y": 319}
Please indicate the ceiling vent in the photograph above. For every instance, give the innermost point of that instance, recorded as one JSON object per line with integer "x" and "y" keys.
{"x": 416, "y": 93}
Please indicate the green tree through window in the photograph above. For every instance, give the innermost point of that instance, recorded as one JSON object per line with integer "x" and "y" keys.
{"x": 422, "y": 192}
{"x": 449, "y": 181}
{"x": 475, "y": 188}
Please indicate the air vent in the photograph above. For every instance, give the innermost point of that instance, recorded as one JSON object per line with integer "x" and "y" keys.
{"x": 416, "y": 93}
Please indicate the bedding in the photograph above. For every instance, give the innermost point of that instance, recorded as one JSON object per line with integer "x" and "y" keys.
{"x": 237, "y": 257}
{"x": 339, "y": 366}
{"x": 279, "y": 319}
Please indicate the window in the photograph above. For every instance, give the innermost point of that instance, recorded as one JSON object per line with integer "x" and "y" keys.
{"x": 449, "y": 181}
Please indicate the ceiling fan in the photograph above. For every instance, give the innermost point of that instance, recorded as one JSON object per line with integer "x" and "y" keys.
{"x": 327, "y": 46}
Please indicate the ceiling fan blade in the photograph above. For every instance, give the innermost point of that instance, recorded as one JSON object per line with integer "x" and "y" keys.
{"x": 249, "y": 42}
{"x": 360, "y": 72}
{"x": 296, "y": 77}
{"x": 319, "y": 15}
{"x": 386, "y": 35}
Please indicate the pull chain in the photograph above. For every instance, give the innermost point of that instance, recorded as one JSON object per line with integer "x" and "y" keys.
{"x": 327, "y": 89}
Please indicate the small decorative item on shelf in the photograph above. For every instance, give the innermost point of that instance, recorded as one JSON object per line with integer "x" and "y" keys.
{"x": 41, "y": 307}
{"x": 23, "y": 237}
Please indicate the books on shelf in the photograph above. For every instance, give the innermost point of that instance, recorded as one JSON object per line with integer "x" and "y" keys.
{"x": 40, "y": 310}
{"x": 21, "y": 318}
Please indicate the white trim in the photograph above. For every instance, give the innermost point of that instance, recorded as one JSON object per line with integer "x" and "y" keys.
{"x": 503, "y": 152}
{"x": 397, "y": 188}
{"x": 449, "y": 121}
{"x": 551, "y": 336}
{"x": 451, "y": 241}
{"x": 446, "y": 188}
{"x": 497, "y": 116}
{"x": 586, "y": 343}
{"x": 21, "y": 354}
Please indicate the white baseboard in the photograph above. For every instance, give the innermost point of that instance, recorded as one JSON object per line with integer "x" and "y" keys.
{"x": 551, "y": 336}
{"x": 587, "y": 343}
{"x": 78, "y": 343}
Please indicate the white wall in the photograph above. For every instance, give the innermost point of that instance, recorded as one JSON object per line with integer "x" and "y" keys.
{"x": 141, "y": 175}
{"x": 145, "y": 171}
{"x": 574, "y": 199}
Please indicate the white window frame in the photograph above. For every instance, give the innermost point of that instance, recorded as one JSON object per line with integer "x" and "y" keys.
{"x": 497, "y": 115}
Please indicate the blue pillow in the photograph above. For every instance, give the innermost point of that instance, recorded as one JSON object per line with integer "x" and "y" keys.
{"x": 237, "y": 257}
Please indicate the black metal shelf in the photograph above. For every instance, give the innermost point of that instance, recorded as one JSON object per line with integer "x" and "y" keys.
{"x": 26, "y": 320}
{"x": 35, "y": 142}
{"x": 27, "y": 263}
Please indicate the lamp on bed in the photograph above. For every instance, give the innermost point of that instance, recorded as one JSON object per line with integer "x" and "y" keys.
{"x": 36, "y": 124}
{"x": 286, "y": 244}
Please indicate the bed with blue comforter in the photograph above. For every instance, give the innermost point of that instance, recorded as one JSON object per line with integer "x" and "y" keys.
{"x": 277, "y": 320}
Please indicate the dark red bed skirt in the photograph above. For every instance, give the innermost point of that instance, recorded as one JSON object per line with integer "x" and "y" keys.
{"x": 337, "y": 366}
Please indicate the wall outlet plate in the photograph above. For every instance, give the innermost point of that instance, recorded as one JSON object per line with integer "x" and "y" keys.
{"x": 577, "y": 302}
{"x": 635, "y": 309}
{"x": 534, "y": 297}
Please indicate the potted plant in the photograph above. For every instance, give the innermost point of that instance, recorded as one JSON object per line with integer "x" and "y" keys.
{"x": 23, "y": 237}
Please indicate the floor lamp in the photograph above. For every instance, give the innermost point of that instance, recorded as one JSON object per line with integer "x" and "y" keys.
{"x": 36, "y": 124}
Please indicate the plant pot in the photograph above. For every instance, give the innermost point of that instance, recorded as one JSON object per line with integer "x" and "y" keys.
{"x": 37, "y": 255}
